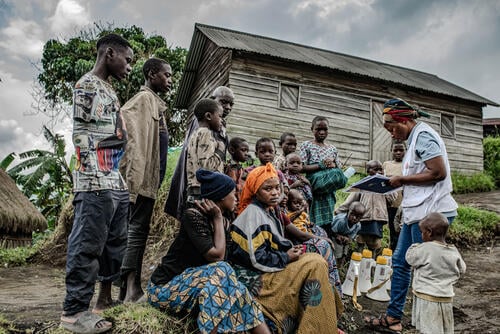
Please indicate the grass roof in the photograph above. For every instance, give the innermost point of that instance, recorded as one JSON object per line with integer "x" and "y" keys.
{"x": 17, "y": 213}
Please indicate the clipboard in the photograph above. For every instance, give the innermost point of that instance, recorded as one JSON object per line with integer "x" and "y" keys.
{"x": 374, "y": 184}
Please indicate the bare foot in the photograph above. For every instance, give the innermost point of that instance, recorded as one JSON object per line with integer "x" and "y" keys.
{"x": 104, "y": 300}
{"x": 134, "y": 290}
{"x": 133, "y": 297}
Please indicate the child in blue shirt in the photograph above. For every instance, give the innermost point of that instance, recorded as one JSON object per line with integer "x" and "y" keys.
{"x": 345, "y": 227}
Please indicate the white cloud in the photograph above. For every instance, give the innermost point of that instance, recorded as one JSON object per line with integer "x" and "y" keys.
{"x": 18, "y": 132}
{"x": 14, "y": 138}
{"x": 22, "y": 38}
{"x": 69, "y": 15}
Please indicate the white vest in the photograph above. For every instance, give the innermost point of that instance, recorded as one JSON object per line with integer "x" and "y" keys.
{"x": 419, "y": 201}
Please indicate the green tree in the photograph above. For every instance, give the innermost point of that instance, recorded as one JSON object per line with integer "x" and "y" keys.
{"x": 44, "y": 176}
{"x": 64, "y": 62}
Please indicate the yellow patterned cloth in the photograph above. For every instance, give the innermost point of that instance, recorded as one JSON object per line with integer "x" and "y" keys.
{"x": 298, "y": 299}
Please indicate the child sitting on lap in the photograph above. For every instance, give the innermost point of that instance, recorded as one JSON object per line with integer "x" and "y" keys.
{"x": 294, "y": 177}
{"x": 298, "y": 216}
{"x": 238, "y": 149}
{"x": 437, "y": 266}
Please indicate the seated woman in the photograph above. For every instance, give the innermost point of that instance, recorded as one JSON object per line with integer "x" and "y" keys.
{"x": 292, "y": 287}
{"x": 192, "y": 277}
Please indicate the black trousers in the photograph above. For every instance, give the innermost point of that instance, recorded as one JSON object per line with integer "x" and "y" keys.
{"x": 138, "y": 231}
{"x": 393, "y": 235}
{"x": 96, "y": 245}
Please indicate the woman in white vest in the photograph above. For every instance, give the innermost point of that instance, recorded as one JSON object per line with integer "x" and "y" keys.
{"x": 426, "y": 182}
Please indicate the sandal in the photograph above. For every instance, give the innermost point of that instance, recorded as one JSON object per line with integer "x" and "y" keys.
{"x": 381, "y": 324}
{"x": 86, "y": 324}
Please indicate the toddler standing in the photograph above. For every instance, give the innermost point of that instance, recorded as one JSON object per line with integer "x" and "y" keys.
{"x": 437, "y": 266}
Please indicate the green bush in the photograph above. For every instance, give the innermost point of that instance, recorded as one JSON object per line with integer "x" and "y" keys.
{"x": 12, "y": 257}
{"x": 473, "y": 226}
{"x": 475, "y": 183}
{"x": 491, "y": 147}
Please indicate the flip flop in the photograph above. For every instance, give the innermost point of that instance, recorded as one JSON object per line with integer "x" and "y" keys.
{"x": 86, "y": 324}
{"x": 383, "y": 326}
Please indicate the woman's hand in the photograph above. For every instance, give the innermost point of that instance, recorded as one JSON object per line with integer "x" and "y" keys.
{"x": 294, "y": 253}
{"x": 209, "y": 208}
{"x": 329, "y": 163}
{"x": 396, "y": 181}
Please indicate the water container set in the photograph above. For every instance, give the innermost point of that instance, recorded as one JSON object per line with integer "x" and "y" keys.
{"x": 358, "y": 277}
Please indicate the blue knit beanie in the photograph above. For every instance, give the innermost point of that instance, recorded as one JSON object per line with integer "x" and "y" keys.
{"x": 214, "y": 185}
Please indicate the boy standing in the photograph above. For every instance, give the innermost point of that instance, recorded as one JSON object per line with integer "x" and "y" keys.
{"x": 206, "y": 149}
{"x": 98, "y": 237}
{"x": 393, "y": 168}
{"x": 140, "y": 166}
{"x": 437, "y": 266}
{"x": 177, "y": 192}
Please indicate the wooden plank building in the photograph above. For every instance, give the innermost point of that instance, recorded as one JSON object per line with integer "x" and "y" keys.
{"x": 281, "y": 86}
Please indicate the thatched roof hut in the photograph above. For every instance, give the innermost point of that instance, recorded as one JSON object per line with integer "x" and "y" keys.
{"x": 18, "y": 216}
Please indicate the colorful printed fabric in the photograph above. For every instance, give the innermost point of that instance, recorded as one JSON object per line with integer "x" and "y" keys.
{"x": 311, "y": 153}
{"x": 325, "y": 249}
{"x": 214, "y": 292}
{"x": 397, "y": 110}
{"x": 280, "y": 161}
{"x": 99, "y": 136}
{"x": 323, "y": 204}
{"x": 298, "y": 299}
{"x": 305, "y": 189}
{"x": 296, "y": 296}
{"x": 258, "y": 239}
{"x": 301, "y": 220}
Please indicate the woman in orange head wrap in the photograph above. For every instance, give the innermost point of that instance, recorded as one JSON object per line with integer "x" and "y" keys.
{"x": 253, "y": 182}
{"x": 292, "y": 287}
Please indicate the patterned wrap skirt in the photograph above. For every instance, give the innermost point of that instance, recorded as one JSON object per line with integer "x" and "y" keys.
{"x": 298, "y": 299}
{"x": 325, "y": 249}
{"x": 214, "y": 293}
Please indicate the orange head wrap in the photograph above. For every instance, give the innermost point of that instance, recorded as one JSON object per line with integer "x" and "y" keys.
{"x": 254, "y": 180}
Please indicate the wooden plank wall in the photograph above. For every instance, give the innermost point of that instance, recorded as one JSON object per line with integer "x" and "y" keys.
{"x": 212, "y": 72}
{"x": 346, "y": 102}
{"x": 465, "y": 150}
{"x": 256, "y": 114}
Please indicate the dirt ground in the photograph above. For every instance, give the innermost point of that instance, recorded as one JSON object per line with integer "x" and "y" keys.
{"x": 32, "y": 296}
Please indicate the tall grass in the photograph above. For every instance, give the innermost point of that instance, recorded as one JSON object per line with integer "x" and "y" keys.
{"x": 475, "y": 183}
{"x": 473, "y": 226}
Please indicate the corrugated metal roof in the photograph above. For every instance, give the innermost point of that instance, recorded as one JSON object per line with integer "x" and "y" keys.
{"x": 236, "y": 40}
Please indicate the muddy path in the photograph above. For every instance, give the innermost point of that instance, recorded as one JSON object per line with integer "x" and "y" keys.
{"x": 32, "y": 297}
{"x": 487, "y": 201}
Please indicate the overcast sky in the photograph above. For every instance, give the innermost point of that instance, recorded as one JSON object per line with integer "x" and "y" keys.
{"x": 458, "y": 40}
